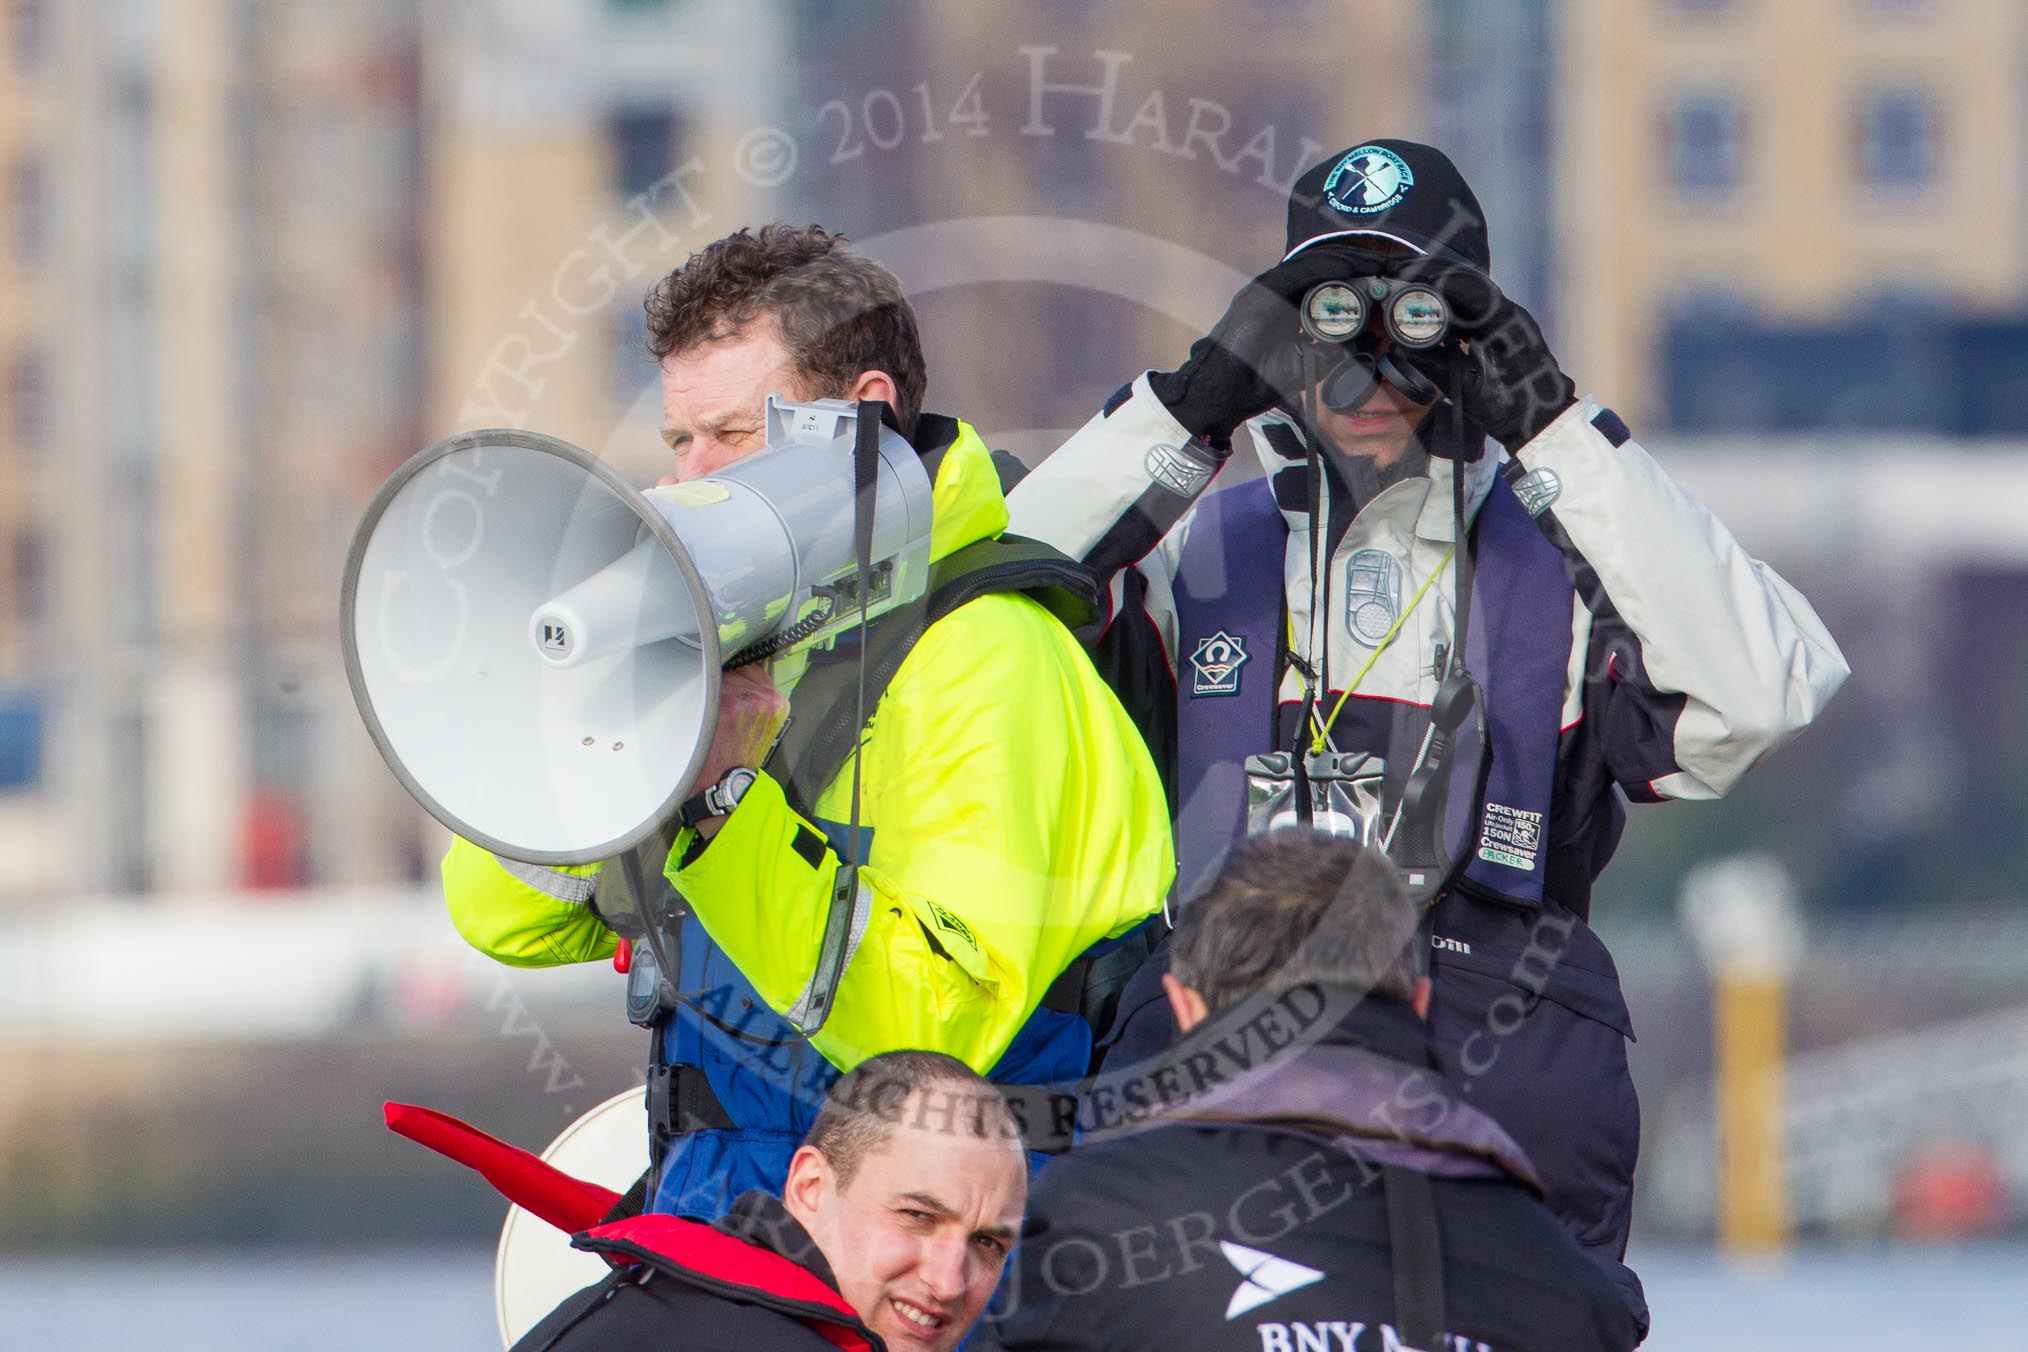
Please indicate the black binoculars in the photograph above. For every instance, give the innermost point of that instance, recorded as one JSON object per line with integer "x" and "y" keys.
{"x": 1413, "y": 313}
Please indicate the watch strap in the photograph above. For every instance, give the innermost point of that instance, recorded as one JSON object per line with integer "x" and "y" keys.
{"x": 716, "y": 799}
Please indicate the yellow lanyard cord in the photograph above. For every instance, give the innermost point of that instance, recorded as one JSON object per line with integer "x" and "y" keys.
{"x": 1323, "y": 736}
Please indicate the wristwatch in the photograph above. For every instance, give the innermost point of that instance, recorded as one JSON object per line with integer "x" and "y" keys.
{"x": 717, "y": 800}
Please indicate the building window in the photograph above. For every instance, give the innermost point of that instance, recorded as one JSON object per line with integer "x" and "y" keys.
{"x": 30, "y": 191}
{"x": 1898, "y": 136}
{"x": 31, "y": 577}
{"x": 321, "y": 171}
{"x": 132, "y": 545}
{"x": 127, "y": 163}
{"x": 1704, "y": 142}
{"x": 28, "y": 34}
{"x": 275, "y": 846}
{"x": 319, "y": 361}
{"x": 125, "y": 816}
{"x": 28, "y": 401}
{"x": 633, "y": 369}
{"x": 20, "y": 741}
{"x": 643, "y": 147}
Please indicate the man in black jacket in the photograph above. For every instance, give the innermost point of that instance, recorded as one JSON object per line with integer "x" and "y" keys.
{"x": 1297, "y": 1175}
{"x": 900, "y": 1209}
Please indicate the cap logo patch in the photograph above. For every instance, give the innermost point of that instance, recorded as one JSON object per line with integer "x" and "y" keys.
{"x": 1369, "y": 179}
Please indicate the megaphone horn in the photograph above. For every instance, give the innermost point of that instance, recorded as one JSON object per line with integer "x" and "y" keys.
{"x": 535, "y": 647}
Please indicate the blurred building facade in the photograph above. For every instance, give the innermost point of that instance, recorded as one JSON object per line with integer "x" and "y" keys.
{"x": 215, "y": 199}
{"x": 31, "y": 115}
{"x": 257, "y": 253}
{"x": 576, "y": 152}
{"x": 254, "y": 253}
{"x": 1788, "y": 187}
{"x": 1101, "y": 117}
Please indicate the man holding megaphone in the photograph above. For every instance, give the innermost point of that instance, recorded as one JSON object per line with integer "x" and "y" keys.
{"x": 974, "y": 884}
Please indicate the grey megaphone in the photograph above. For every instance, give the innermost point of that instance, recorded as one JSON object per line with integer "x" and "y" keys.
{"x": 535, "y": 646}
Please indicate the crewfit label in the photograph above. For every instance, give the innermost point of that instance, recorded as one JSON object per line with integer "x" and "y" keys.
{"x": 1510, "y": 836}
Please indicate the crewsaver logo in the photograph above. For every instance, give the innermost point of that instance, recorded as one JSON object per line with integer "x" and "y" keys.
{"x": 1266, "y": 1277}
{"x": 1215, "y": 664}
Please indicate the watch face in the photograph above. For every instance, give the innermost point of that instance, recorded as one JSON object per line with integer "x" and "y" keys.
{"x": 734, "y": 785}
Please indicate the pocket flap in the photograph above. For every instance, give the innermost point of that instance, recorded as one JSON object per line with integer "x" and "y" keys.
{"x": 1569, "y": 978}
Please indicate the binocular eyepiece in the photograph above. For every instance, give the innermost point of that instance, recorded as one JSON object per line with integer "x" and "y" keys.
{"x": 1413, "y": 313}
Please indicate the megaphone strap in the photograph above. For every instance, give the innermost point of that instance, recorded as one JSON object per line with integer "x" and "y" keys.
{"x": 822, "y": 733}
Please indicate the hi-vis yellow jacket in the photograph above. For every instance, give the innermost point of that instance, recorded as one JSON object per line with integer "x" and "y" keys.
{"x": 1012, "y": 815}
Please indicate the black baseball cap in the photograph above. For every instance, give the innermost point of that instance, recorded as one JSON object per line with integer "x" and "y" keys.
{"x": 1399, "y": 190}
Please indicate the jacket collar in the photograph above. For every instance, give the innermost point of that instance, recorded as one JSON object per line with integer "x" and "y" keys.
{"x": 966, "y": 503}
{"x": 760, "y": 1219}
{"x": 1424, "y": 500}
{"x": 1370, "y": 1076}
{"x": 966, "y": 506}
{"x": 757, "y": 1254}
{"x": 1385, "y": 1027}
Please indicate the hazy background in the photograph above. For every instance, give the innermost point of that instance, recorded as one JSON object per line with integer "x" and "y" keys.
{"x": 255, "y": 253}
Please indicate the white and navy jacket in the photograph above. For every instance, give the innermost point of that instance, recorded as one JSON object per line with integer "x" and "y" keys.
{"x": 1688, "y": 661}
{"x": 1624, "y": 644}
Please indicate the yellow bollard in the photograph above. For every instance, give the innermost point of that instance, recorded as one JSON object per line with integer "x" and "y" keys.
{"x": 1750, "y": 1037}
{"x": 1742, "y": 914}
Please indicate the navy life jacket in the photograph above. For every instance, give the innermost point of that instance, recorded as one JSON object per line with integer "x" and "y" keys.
{"x": 1229, "y": 584}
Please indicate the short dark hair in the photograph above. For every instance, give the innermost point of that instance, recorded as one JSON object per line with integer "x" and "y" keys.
{"x": 873, "y": 1098}
{"x": 839, "y": 315}
{"x": 1295, "y": 908}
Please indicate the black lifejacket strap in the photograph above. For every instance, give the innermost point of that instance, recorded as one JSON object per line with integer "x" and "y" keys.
{"x": 826, "y": 726}
{"x": 1090, "y": 986}
{"x": 633, "y": 1201}
{"x": 1417, "y": 1256}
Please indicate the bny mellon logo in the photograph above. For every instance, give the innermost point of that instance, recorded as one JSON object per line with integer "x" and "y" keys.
{"x": 1267, "y": 1277}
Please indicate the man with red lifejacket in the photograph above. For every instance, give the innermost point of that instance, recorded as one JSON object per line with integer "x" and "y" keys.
{"x": 901, "y": 1206}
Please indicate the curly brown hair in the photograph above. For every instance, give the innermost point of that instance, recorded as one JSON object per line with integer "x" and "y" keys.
{"x": 839, "y": 315}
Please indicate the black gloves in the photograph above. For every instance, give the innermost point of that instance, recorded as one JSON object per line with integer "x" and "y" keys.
{"x": 1512, "y": 385}
{"x": 1246, "y": 365}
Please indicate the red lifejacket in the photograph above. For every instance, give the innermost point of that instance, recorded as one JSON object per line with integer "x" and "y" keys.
{"x": 690, "y": 1251}
{"x": 725, "y": 1265}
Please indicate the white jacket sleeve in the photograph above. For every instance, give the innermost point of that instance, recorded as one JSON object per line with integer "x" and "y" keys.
{"x": 1114, "y": 494}
{"x": 1710, "y": 659}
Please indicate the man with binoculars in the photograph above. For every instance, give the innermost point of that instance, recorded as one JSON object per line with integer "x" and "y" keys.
{"x": 1480, "y": 713}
